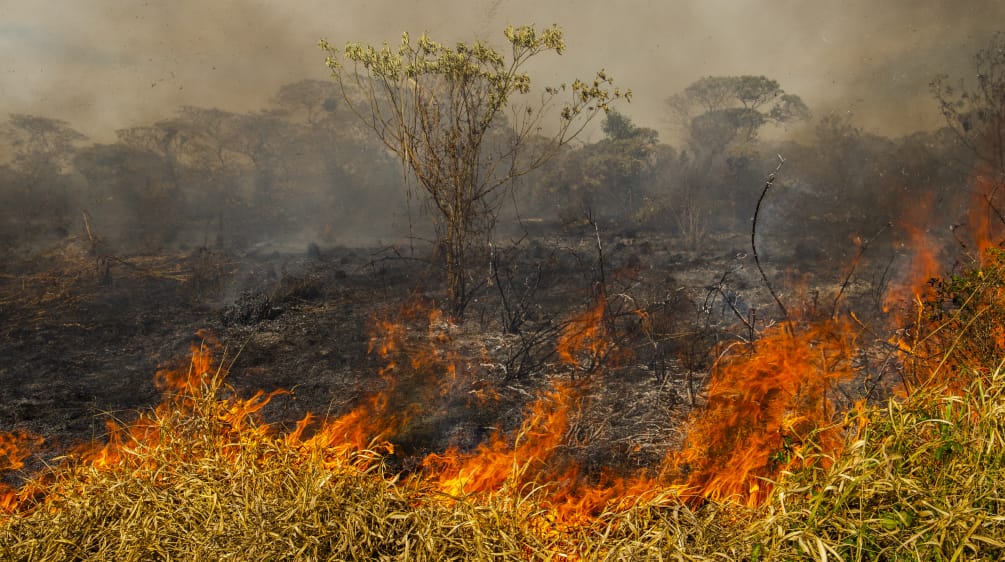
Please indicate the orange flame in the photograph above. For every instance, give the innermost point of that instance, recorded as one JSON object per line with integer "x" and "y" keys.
{"x": 762, "y": 408}
{"x": 985, "y": 228}
{"x": 534, "y": 457}
{"x": 586, "y": 340}
{"x": 15, "y": 448}
{"x": 924, "y": 249}
{"x": 495, "y": 462}
{"x": 186, "y": 381}
{"x": 419, "y": 373}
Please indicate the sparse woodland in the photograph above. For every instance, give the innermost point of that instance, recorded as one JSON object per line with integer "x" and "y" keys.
{"x": 436, "y": 310}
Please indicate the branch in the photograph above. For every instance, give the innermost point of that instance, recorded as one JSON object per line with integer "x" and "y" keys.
{"x": 753, "y": 237}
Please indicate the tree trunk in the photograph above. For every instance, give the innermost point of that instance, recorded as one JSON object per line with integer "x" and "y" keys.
{"x": 454, "y": 247}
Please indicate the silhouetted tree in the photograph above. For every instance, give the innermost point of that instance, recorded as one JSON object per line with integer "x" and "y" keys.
{"x": 976, "y": 114}
{"x": 607, "y": 177}
{"x": 717, "y": 111}
{"x": 40, "y": 151}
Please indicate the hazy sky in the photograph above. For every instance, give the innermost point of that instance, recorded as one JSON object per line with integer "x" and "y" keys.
{"x": 107, "y": 64}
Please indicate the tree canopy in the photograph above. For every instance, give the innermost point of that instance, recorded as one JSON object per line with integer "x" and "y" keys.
{"x": 716, "y": 111}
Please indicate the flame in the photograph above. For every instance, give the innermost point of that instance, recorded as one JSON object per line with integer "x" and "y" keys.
{"x": 985, "y": 228}
{"x": 186, "y": 381}
{"x": 181, "y": 384}
{"x": 495, "y": 462}
{"x": 127, "y": 445}
{"x": 763, "y": 406}
{"x": 924, "y": 249}
{"x": 15, "y": 448}
{"x": 534, "y": 457}
{"x": 420, "y": 372}
{"x": 586, "y": 340}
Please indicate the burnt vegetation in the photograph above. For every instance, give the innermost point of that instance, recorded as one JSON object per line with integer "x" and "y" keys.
{"x": 620, "y": 264}
{"x": 258, "y": 226}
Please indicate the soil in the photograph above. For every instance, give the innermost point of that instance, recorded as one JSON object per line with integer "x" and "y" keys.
{"x": 82, "y": 336}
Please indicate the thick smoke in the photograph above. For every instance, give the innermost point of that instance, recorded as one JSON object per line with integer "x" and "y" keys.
{"x": 105, "y": 64}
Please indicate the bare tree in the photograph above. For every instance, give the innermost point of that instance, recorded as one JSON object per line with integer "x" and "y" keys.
{"x": 976, "y": 114}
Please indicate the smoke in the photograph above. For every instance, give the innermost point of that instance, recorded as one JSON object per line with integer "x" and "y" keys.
{"x": 108, "y": 64}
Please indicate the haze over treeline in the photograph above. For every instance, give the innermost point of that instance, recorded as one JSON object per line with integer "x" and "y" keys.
{"x": 105, "y": 65}
{"x": 217, "y": 125}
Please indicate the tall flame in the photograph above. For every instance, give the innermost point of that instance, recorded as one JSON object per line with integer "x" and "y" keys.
{"x": 923, "y": 250}
{"x": 763, "y": 406}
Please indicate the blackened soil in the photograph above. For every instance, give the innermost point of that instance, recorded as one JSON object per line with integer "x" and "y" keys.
{"x": 82, "y": 336}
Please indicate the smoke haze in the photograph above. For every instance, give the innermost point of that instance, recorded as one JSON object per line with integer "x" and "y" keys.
{"x": 104, "y": 65}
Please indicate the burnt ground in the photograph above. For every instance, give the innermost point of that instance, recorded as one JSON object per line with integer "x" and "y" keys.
{"x": 82, "y": 335}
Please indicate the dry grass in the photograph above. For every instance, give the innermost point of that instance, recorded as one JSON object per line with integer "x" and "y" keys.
{"x": 920, "y": 477}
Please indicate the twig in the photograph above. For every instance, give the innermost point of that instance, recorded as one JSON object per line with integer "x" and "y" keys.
{"x": 600, "y": 254}
{"x": 753, "y": 237}
{"x": 854, "y": 264}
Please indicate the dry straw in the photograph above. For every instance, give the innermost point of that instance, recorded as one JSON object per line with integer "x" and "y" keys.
{"x": 920, "y": 478}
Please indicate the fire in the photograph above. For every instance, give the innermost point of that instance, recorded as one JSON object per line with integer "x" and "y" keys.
{"x": 495, "y": 462}
{"x": 180, "y": 385}
{"x": 15, "y": 447}
{"x": 586, "y": 339}
{"x": 985, "y": 228}
{"x": 533, "y": 458}
{"x": 186, "y": 381}
{"x": 766, "y": 404}
{"x": 924, "y": 249}
{"x": 190, "y": 390}
{"x": 763, "y": 406}
{"x": 420, "y": 373}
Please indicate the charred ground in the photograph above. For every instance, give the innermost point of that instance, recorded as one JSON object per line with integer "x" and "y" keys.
{"x": 83, "y": 337}
{"x": 283, "y": 237}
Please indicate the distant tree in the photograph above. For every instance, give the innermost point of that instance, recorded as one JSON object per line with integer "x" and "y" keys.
{"x": 41, "y": 142}
{"x": 40, "y": 150}
{"x": 261, "y": 138}
{"x": 618, "y": 126}
{"x": 197, "y": 163}
{"x": 717, "y": 111}
{"x": 131, "y": 195}
{"x": 166, "y": 141}
{"x": 334, "y": 153}
{"x": 721, "y": 117}
{"x": 606, "y": 176}
{"x": 462, "y": 122}
{"x": 976, "y": 115}
{"x": 230, "y": 164}
{"x": 310, "y": 101}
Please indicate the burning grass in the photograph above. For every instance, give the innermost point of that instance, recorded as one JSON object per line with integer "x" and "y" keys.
{"x": 770, "y": 470}
{"x": 920, "y": 478}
